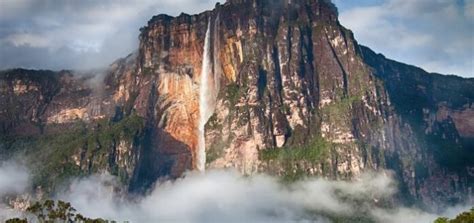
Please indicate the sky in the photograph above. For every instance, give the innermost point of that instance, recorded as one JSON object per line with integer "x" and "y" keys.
{"x": 437, "y": 35}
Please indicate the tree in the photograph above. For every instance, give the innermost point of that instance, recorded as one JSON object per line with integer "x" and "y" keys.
{"x": 465, "y": 217}
{"x": 16, "y": 220}
{"x": 55, "y": 211}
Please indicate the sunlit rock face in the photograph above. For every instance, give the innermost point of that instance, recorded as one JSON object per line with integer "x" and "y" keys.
{"x": 291, "y": 94}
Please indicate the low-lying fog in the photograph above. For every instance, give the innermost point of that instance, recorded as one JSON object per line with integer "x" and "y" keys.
{"x": 225, "y": 196}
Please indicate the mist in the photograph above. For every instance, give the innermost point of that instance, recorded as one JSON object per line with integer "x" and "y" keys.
{"x": 227, "y": 196}
{"x": 14, "y": 180}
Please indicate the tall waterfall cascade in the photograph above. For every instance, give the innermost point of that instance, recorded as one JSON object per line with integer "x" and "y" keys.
{"x": 207, "y": 96}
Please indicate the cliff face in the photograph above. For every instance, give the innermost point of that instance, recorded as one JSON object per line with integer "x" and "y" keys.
{"x": 439, "y": 111}
{"x": 291, "y": 94}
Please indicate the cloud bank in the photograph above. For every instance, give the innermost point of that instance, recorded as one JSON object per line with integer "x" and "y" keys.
{"x": 86, "y": 34}
{"x": 226, "y": 196}
{"x": 436, "y": 35}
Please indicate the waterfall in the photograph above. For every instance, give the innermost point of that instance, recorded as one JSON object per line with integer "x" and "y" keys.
{"x": 205, "y": 100}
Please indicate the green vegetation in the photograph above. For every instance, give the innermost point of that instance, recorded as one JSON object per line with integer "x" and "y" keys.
{"x": 290, "y": 157}
{"x": 356, "y": 218}
{"x": 233, "y": 93}
{"x": 465, "y": 217}
{"x": 51, "y": 211}
{"x": 213, "y": 122}
{"x": 285, "y": 109}
{"x": 147, "y": 71}
{"x": 75, "y": 150}
{"x": 216, "y": 151}
{"x": 339, "y": 111}
{"x": 313, "y": 152}
{"x": 128, "y": 107}
{"x": 16, "y": 220}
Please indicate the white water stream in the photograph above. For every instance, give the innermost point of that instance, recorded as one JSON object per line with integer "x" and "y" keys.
{"x": 205, "y": 100}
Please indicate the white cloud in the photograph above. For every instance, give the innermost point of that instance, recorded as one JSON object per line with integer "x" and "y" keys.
{"x": 469, "y": 9}
{"x": 227, "y": 196}
{"x": 57, "y": 34}
{"x": 100, "y": 31}
{"x": 14, "y": 179}
{"x": 28, "y": 39}
{"x": 421, "y": 32}
{"x": 10, "y": 8}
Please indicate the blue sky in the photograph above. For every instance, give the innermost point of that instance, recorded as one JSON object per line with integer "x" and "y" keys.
{"x": 437, "y": 35}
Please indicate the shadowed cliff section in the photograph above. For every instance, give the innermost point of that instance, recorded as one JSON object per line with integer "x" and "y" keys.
{"x": 439, "y": 108}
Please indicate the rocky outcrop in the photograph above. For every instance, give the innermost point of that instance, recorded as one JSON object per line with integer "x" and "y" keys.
{"x": 34, "y": 100}
{"x": 294, "y": 95}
